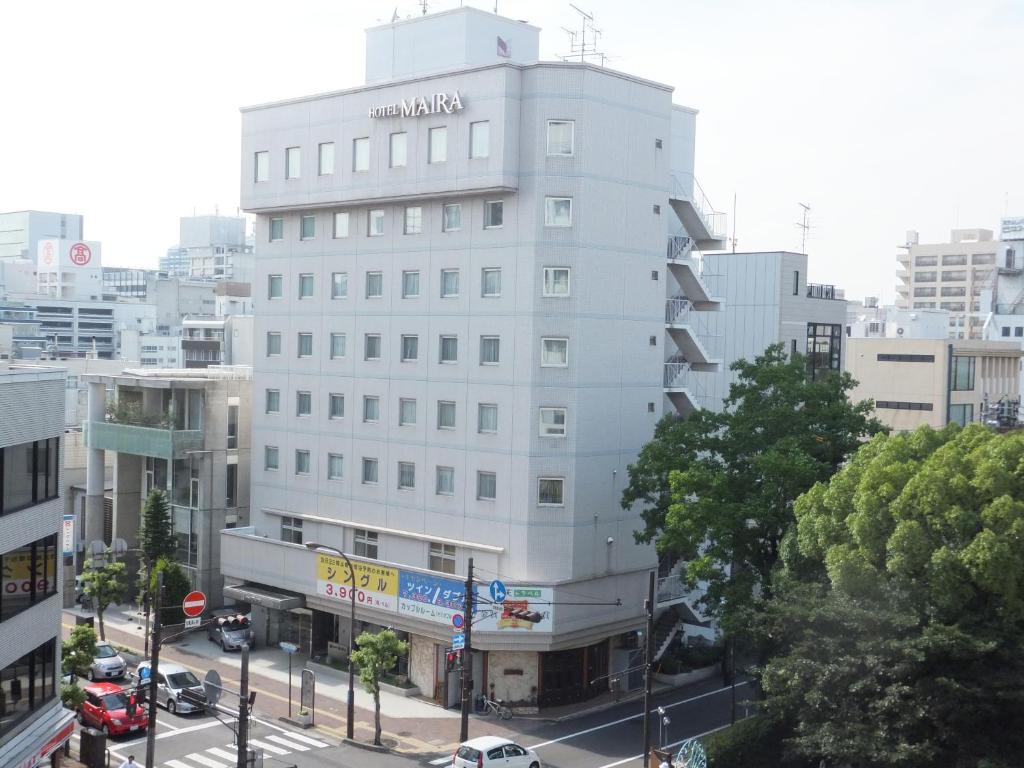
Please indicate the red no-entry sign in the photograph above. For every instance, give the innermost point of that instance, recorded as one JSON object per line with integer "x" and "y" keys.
{"x": 193, "y": 604}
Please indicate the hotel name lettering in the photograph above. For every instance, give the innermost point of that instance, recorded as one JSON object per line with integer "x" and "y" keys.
{"x": 421, "y": 105}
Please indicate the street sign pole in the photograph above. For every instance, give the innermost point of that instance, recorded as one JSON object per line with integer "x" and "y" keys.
{"x": 154, "y": 667}
{"x": 467, "y": 654}
{"x": 243, "y": 708}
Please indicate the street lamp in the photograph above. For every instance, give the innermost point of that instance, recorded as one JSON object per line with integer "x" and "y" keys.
{"x": 312, "y": 545}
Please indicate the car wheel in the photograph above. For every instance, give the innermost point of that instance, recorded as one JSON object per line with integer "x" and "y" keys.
{"x": 223, "y": 647}
{"x": 534, "y": 765}
{"x": 172, "y": 706}
{"x": 92, "y": 675}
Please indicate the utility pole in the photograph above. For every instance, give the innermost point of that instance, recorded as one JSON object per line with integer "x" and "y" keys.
{"x": 467, "y": 654}
{"x": 153, "y": 669}
{"x": 649, "y": 666}
{"x": 243, "y": 710}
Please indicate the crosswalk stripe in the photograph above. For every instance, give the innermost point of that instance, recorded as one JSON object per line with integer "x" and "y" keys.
{"x": 267, "y": 747}
{"x": 290, "y": 744}
{"x": 312, "y": 742}
{"x": 222, "y": 753}
{"x": 204, "y": 760}
{"x": 441, "y": 761}
{"x": 177, "y": 764}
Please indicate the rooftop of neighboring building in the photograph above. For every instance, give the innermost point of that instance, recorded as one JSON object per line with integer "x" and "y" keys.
{"x": 163, "y": 378}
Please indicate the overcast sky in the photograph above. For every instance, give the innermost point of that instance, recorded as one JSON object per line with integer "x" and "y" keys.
{"x": 882, "y": 115}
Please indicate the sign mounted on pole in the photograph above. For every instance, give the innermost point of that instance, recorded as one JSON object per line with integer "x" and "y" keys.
{"x": 191, "y": 622}
{"x": 498, "y": 591}
{"x": 67, "y": 535}
{"x": 458, "y": 620}
{"x": 458, "y": 642}
{"x": 193, "y": 604}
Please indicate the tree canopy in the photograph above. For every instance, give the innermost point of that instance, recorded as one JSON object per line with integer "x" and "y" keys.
{"x": 378, "y": 652}
{"x": 157, "y": 535}
{"x": 176, "y": 587}
{"x": 104, "y": 584}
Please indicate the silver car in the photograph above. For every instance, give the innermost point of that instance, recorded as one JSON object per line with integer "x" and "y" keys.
{"x": 231, "y": 632}
{"x": 107, "y": 664}
{"x": 171, "y": 681}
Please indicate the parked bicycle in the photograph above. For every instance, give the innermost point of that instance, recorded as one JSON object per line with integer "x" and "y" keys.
{"x": 498, "y": 708}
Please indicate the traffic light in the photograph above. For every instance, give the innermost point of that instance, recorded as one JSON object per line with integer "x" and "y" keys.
{"x": 131, "y": 706}
{"x": 533, "y": 617}
{"x": 453, "y": 660}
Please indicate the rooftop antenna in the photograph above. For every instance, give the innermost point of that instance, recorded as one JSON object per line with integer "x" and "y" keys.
{"x": 583, "y": 42}
{"x": 804, "y": 225}
{"x": 423, "y": 5}
{"x": 734, "y": 222}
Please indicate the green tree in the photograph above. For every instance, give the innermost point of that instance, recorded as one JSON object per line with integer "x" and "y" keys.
{"x": 377, "y": 653}
{"x": 104, "y": 584}
{"x": 176, "y": 587}
{"x": 719, "y": 488}
{"x": 157, "y": 537}
{"x": 78, "y": 651}
{"x": 71, "y": 696}
{"x": 898, "y": 626}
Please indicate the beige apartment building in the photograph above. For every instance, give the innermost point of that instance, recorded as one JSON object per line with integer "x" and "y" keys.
{"x": 949, "y": 276}
{"x": 932, "y": 381}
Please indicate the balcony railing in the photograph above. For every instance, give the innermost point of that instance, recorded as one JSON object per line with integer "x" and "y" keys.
{"x": 158, "y": 442}
{"x": 671, "y": 588}
{"x": 686, "y": 186}
{"x": 676, "y": 369}
{"x": 819, "y": 291}
{"x": 679, "y": 247}
{"x": 677, "y": 309}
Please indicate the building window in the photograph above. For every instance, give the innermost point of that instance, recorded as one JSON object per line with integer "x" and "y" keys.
{"x": 292, "y": 162}
{"x": 962, "y": 414}
{"x": 271, "y": 457}
{"x": 824, "y": 348}
{"x": 445, "y": 414}
{"x": 231, "y": 485}
{"x": 306, "y": 286}
{"x": 371, "y": 409}
{"x": 305, "y": 345}
{"x": 273, "y": 343}
{"x": 449, "y": 352}
{"x": 364, "y": 543}
{"x": 951, "y": 290}
{"x": 451, "y": 220}
{"x": 406, "y": 411}
{"x": 335, "y": 466}
{"x": 560, "y": 138}
{"x": 276, "y": 229}
{"x": 29, "y": 576}
{"x": 303, "y": 403}
{"x": 490, "y": 282}
{"x": 325, "y": 154}
{"x": 904, "y": 358}
{"x": 441, "y": 558}
{"x": 549, "y": 491}
{"x": 370, "y": 473}
{"x": 339, "y": 285}
{"x": 554, "y": 353}
{"x": 479, "y": 139}
{"x": 337, "y": 345}
{"x": 275, "y": 286}
{"x": 556, "y": 281}
{"x": 413, "y": 220}
{"x": 955, "y": 260}
{"x": 374, "y": 285}
{"x": 954, "y": 275}
{"x": 557, "y": 211}
{"x": 438, "y": 145}
{"x": 406, "y": 476}
{"x": 410, "y": 284}
{"x": 273, "y": 401}
{"x": 261, "y": 167}
{"x": 486, "y": 486}
{"x": 494, "y": 214}
{"x": 487, "y": 418}
{"x": 308, "y": 228}
{"x": 291, "y": 530}
{"x": 410, "y": 348}
{"x": 375, "y": 222}
{"x": 27, "y": 685}
{"x": 301, "y": 462}
{"x": 984, "y": 258}
{"x": 361, "y": 154}
{"x": 340, "y": 224}
{"x": 490, "y": 350}
{"x": 449, "y": 283}
{"x": 335, "y": 406}
{"x": 371, "y": 346}
{"x": 796, "y": 282}
{"x": 962, "y": 375}
{"x": 552, "y": 422}
{"x": 398, "y": 146}
{"x": 926, "y": 276}
{"x": 445, "y": 481}
{"x": 926, "y": 261}
{"x": 923, "y": 292}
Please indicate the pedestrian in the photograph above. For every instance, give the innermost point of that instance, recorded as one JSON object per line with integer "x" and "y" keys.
{"x": 130, "y": 762}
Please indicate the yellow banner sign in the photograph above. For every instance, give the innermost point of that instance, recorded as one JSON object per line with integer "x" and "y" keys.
{"x": 376, "y": 585}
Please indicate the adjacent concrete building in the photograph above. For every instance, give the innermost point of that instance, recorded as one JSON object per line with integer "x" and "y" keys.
{"x": 21, "y": 231}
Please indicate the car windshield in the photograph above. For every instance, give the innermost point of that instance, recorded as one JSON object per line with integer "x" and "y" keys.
{"x": 182, "y": 680}
{"x": 113, "y": 701}
{"x": 105, "y": 652}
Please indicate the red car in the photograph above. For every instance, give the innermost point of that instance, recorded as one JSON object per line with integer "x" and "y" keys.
{"x": 112, "y": 709}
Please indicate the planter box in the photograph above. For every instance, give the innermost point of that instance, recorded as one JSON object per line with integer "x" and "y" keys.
{"x": 685, "y": 678}
{"x": 324, "y": 671}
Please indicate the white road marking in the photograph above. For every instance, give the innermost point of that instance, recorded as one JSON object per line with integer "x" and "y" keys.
{"x": 673, "y": 744}
{"x": 290, "y": 744}
{"x": 441, "y": 761}
{"x": 267, "y": 747}
{"x": 204, "y": 760}
{"x": 177, "y": 764}
{"x": 222, "y": 753}
{"x": 269, "y": 724}
{"x": 307, "y": 739}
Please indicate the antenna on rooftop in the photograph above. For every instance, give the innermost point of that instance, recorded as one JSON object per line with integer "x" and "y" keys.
{"x": 583, "y": 41}
{"x": 805, "y": 226}
{"x": 423, "y": 5}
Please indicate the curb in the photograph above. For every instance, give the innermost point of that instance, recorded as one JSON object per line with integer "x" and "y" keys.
{"x": 364, "y": 745}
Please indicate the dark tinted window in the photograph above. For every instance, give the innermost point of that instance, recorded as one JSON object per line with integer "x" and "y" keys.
{"x": 496, "y": 754}
{"x": 468, "y": 753}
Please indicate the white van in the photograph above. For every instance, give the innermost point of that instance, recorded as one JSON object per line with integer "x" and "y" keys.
{"x": 171, "y": 680}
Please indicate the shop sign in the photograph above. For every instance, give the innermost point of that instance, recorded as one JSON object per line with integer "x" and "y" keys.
{"x": 1012, "y": 228}
{"x": 37, "y": 758}
{"x": 421, "y": 105}
{"x": 376, "y": 585}
{"x": 18, "y": 573}
{"x": 498, "y": 617}
{"x": 430, "y": 598}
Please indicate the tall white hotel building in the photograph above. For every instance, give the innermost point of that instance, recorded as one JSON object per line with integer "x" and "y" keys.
{"x": 461, "y": 278}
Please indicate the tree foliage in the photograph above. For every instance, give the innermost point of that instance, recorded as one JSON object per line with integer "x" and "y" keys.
{"x": 176, "y": 587}
{"x": 78, "y": 651}
{"x": 898, "y": 628}
{"x": 105, "y": 584}
{"x": 157, "y": 537}
{"x": 377, "y": 653}
{"x": 719, "y": 488}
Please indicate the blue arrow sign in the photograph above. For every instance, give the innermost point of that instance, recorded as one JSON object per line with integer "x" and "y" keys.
{"x": 458, "y": 642}
{"x": 498, "y": 591}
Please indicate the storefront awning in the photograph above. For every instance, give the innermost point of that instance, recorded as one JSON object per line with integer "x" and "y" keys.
{"x": 276, "y": 599}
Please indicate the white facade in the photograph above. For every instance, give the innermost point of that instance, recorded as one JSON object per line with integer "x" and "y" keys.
{"x": 890, "y": 322}
{"x": 21, "y": 231}
{"x": 70, "y": 269}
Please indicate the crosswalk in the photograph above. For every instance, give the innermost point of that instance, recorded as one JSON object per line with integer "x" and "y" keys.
{"x": 224, "y": 757}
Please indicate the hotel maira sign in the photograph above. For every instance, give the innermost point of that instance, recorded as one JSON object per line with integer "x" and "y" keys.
{"x": 421, "y": 105}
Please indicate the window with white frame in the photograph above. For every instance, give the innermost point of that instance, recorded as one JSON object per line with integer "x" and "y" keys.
{"x": 303, "y": 403}
{"x": 273, "y": 401}
{"x": 276, "y": 228}
{"x": 301, "y": 461}
{"x": 337, "y": 345}
{"x": 557, "y": 211}
{"x": 449, "y": 351}
{"x": 291, "y": 530}
{"x": 375, "y": 222}
{"x": 549, "y": 491}
{"x": 261, "y": 167}
{"x": 441, "y": 557}
{"x": 494, "y": 214}
{"x": 273, "y": 343}
{"x": 371, "y": 346}
{"x": 365, "y": 543}
{"x": 556, "y": 281}
{"x": 413, "y": 220}
{"x": 292, "y": 162}
{"x": 371, "y": 476}
{"x": 410, "y": 348}
{"x": 479, "y": 139}
{"x": 486, "y": 486}
{"x": 306, "y": 285}
{"x": 374, "y": 285}
{"x": 446, "y": 414}
{"x": 437, "y": 151}
{"x": 449, "y": 283}
{"x": 305, "y": 345}
{"x": 335, "y": 406}
{"x": 552, "y": 422}
{"x": 340, "y": 224}
{"x": 445, "y": 481}
{"x": 271, "y": 457}
{"x": 554, "y": 353}
{"x": 560, "y": 138}
{"x": 451, "y": 219}
{"x": 490, "y": 350}
{"x": 406, "y": 411}
{"x": 410, "y": 283}
{"x": 325, "y": 153}
{"x": 335, "y": 466}
{"x": 406, "y": 475}
{"x": 399, "y": 150}
{"x": 361, "y": 154}
{"x": 490, "y": 282}
{"x": 275, "y": 286}
{"x": 339, "y": 285}
{"x": 307, "y": 230}
{"x": 371, "y": 409}
{"x": 487, "y": 418}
